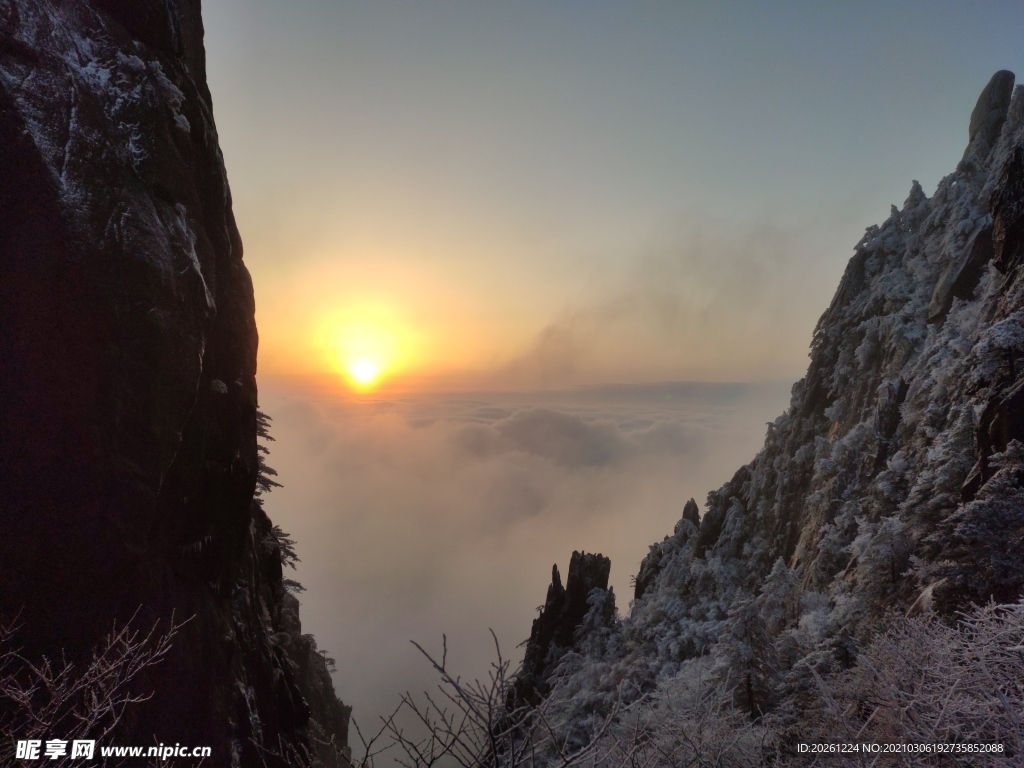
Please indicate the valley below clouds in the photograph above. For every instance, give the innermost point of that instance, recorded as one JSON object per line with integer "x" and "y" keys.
{"x": 430, "y": 514}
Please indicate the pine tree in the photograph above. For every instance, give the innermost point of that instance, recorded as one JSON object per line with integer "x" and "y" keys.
{"x": 779, "y": 601}
{"x": 748, "y": 662}
{"x": 283, "y": 543}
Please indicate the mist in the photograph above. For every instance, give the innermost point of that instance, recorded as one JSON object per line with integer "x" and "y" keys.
{"x": 701, "y": 298}
{"x": 423, "y": 515}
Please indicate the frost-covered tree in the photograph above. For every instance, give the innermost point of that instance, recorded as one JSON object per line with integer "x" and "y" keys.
{"x": 983, "y": 541}
{"x": 779, "y": 601}
{"x": 747, "y": 659}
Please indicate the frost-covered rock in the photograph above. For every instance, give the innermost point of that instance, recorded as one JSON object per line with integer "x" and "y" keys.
{"x": 566, "y": 610}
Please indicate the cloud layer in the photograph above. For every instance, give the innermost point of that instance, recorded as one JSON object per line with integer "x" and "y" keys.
{"x": 443, "y": 514}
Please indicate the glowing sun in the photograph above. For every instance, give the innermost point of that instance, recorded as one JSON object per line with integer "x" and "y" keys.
{"x": 366, "y": 351}
{"x": 364, "y": 372}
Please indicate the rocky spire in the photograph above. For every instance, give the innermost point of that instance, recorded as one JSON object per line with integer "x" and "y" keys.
{"x": 989, "y": 115}
{"x": 554, "y": 631}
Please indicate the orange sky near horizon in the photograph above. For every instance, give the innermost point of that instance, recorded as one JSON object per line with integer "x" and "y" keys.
{"x": 380, "y": 315}
{"x": 368, "y": 326}
{"x": 390, "y": 327}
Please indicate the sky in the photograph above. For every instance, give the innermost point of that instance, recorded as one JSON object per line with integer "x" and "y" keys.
{"x": 467, "y": 221}
{"x": 541, "y": 194}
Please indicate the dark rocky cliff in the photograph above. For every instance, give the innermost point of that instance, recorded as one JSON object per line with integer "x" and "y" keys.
{"x": 128, "y": 397}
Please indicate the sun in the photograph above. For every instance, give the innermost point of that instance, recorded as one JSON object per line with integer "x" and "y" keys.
{"x": 366, "y": 350}
{"x": 364, "y": 373}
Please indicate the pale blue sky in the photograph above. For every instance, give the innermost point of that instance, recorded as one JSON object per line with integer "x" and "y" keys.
{"x": 534, "y": 158}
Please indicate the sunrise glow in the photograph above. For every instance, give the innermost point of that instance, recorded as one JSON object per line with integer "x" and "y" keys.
{"x": 367, "y": 348}
{"x": 364, "y": 372}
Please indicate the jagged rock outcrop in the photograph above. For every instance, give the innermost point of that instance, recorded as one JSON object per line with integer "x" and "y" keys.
{"x": 894, "y": 482}
{"x": 127, "y": 365}
{"x": 554, "y": 630}
{"x": 651, "y": 564}
{"x": 988, "y": 116}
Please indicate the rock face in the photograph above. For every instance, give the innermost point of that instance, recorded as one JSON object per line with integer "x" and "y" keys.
{"x": 650, "y": 566}
{"x": 128, "y": 347}
{"x": 989, "y": 115}
{"x": 896, "y": 478}
{"x": 328, "y": 734}
{"x": 564, "y": 611}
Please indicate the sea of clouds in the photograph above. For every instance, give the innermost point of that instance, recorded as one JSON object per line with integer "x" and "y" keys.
{"x": 422, "y": 515}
